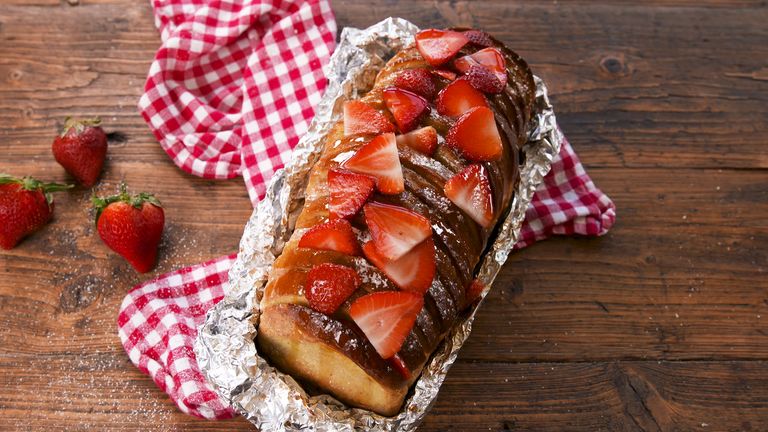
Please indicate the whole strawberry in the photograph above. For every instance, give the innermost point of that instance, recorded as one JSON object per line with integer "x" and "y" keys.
{"x": 131, "y": 225}
{"x": 81, "y": 149}
{"x": 26, "y": 205}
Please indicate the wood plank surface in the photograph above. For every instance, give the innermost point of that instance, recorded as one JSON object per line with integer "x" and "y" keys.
{"x": 660, "y": 325}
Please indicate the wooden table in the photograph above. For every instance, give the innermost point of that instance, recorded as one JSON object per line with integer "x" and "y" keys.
{"x": 660, "y": 325}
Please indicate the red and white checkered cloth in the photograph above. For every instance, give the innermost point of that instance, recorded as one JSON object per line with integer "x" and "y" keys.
{"x": 230, "y": 91}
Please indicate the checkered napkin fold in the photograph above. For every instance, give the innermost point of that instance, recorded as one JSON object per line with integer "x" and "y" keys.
{"x": 229, "y": 93}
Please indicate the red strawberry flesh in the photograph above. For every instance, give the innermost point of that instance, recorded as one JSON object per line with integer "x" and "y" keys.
{"x": 423, "y": 140}
{"x": 329, "y": 285}
{"x": 489, "y": 58}
{"x": 459, "y": 97}
{"x": 439, "y": 46}
{"x": 470, "y": 190}
{"x": 380, "y": 160}
{"x": 386, "y": 318}
{"x": 335, "y": 235}
{"x": 348, "y": 192}
{"x": 395, "y": 230}
{"x": 413, "y": 271}
{"x": 406, "y": 107}
{"x": 476, "y": 136}
{"x": 474, "y": 290}
{"x": 361, "y": 118}
{"x": 418, "y": 81}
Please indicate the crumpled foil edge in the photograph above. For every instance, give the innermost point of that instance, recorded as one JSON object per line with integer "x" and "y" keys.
{"x": 225, "y": 347}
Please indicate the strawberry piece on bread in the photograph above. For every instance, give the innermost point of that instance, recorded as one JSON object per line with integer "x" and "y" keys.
{"x": 406, "y": 107}
{"x": 361, "y": 118}
{"x": 386, "y": 318}
{"x": 418, "y": 81}
{"x": 484, "y": 80}
{"x": 348, "y": 192}
{"x": 335, "y": 235}
{"x": 459, "y": 97}
{"x": 473, "y": 291}
{"x": 445, "y": 74}
{"x": 439, "y": 46}
{"x": 423, "y": 140}
{"x": 479, "y": 37}
{"x": 476, "y": 136}
{"x": 413, "y": 271}
{"x": 489, "y": 58}
{"x": 380, "y": 160}
{"x": 329, "y": 285}
{"x": 395, "y": 230}
{"x": 470, "y": 190}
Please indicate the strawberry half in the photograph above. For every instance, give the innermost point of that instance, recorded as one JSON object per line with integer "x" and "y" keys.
{"x": 459, "y": 97}
{"x": 476, "y": 136}
{"x": 478, "y": 37}
{"x": 335, "y": 235}
{"x": 395, "y": 230}
{"x": 474, "y": 290}
{"x": 348, "y": 192}
{"x": 470, "y": 190}
{"x": 386, "y": 318}
{"x": 489, "y": 58}
{"x": 439, "y": 46}
{"x": 484, "y": 80}
{"x": 418, "y": 81}
{"x": 445, "y": 74}
{"x": 329, "y": 285}
{"x": 399, "y": 365}
{"x": 380, "y": 160}
{"x": 413, "y": 271}
{"x": 407, "y": 107}
{"x": 361, "y": 118}
{"x": 422, "y": 140}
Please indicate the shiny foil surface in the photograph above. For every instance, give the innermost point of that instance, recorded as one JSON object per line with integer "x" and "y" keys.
{"x": 225, "y": 347}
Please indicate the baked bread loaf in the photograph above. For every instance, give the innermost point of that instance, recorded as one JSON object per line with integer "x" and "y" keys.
{"x": 398, "y": 211}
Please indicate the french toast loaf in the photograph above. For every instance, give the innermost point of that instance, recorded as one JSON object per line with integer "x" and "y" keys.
{"x": 398, "y": 211}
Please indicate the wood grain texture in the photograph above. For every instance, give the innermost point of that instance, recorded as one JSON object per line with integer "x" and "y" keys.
{"x": 660, "y": 325}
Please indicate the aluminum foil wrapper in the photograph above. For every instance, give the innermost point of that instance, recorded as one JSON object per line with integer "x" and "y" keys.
{"x": 225, "y": 347}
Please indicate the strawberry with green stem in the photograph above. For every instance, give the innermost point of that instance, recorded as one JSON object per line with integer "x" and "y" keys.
{"x": 26, "y": 205}
{"x": 131, "y": 225}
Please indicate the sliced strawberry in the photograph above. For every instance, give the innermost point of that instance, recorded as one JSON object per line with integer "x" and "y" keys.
{"x": 470, "y": 190}
{"x": 489, "y": 58}
{"x": 380, "y": 160}
{"x": 446, "y": 74}
{"x": 484, "y": 80}
{"x": 474, "y": 290}
{"x": 438, "y": 46}
{"x": 407, "y": 107}
{"x": 459, "y": 97}
{"x": 348, "y": 192}
{"x": 422, "y": 140}
{"x": 386, "y": 318}
{"x": 361, "y": 118}
{"x": 478, "y": 37}
{"x": 335, "y": 235}
{"x": 329, "y": 285}
{"x": 418, "y": 81}
{"x": 395, "y": 230}
{"x": 476, "y": 136}
{"x": 399, "y": 365}
{"x": 413, "y": 271}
